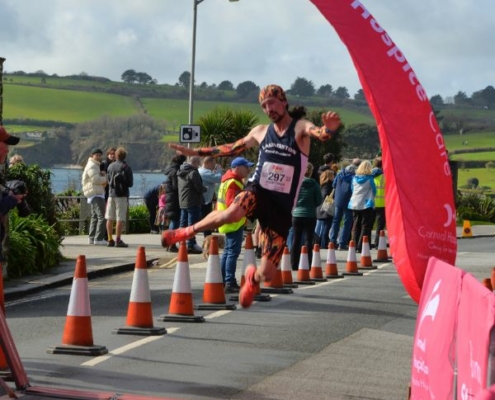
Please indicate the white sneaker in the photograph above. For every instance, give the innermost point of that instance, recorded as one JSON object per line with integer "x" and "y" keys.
{"x": 91, "y": 241}
{"x": 101, "y": 242}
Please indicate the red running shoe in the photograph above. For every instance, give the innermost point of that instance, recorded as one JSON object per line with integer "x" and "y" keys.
{"x": 170, "y": 237}
{"x": 248, "y": 290}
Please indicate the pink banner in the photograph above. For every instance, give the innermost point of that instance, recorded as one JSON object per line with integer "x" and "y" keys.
{"x": 476, "y": 319}
{"x": 432, "y": 371}
{"x": 420, "y": 205}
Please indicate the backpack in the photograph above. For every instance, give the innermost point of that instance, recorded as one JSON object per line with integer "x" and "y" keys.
{"x": 119, "y": 182}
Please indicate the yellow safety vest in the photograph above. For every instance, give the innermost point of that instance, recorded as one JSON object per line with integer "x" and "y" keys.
{"x": 380, "y": 191}
{"x": 222, "y": 205}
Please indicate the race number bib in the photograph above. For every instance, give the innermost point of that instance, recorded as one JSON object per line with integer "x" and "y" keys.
{"x": 277, "y": 177}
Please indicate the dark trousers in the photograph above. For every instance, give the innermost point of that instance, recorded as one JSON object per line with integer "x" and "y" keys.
{"x": 362, "y": 225}
{"x": 381, "y": 223}
{"x": 151, "y": 206}
{"x": 205, "y": 210}
{"x": 302, "y": 227}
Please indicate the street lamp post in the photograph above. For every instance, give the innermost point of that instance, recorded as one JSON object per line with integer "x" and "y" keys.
{"x": 193, "y": 58}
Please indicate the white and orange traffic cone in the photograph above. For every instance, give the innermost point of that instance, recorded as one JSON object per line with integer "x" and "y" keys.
{"x": 250, "y": 259}
{"x": 303, "y": 268}
{"x": 139, "y": 313}
{"x": 351, "y": 264}
{"x": 181, "y": 301}
{"x": 78, "y": 332}
{"x": 316, "y": 273}
{"x": 276, "y": 285}
{"x": 365, "y": 262}
{"x": 213, "y": 290}
{"x": 286, "y": 269}
{"x": 331, "y": 270}
{"x": 382, "y": 254}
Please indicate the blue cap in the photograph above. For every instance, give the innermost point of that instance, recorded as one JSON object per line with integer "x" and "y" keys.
{"x": 241, "y": 161}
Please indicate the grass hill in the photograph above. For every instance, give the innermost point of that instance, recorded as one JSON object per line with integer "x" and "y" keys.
{"x": 34, "y": 103}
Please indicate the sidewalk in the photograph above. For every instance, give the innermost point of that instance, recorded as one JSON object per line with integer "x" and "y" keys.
{"x": 101, "y": 260}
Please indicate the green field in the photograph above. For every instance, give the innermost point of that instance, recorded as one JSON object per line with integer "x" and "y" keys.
{"x": 474, "y": 140}
{"x": 79, "y": 106}
{"x": 478, "y": 156}
{"x": 486, "y": 176}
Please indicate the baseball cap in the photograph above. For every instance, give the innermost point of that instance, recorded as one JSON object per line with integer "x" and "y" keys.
{"x": 241, "y": 161}
{"x": 8, "y": 139}
{"x": 96, "y": 151}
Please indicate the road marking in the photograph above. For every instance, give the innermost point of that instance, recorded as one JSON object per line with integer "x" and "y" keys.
{"x": 123, "y": 349}
{"x": 30, "y": 299}
{"x": 217, "y": 314}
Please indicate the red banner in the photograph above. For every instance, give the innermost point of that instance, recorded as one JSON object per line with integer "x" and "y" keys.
{"x": 432, "y": 371}
{"x": 420, "y": 205}
{"x": 476, "y": 319}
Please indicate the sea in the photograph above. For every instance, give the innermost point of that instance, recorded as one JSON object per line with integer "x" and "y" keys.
{"x": 65, "y": 178}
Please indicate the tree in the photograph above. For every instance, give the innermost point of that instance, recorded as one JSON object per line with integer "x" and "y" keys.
{"x": 143, "y": 78}
{"x": 185, "y": 79}
{"x": 325, "y": 91}
{"x": 225, "y": 85}
{"x": 129, "y": 76}
{"x": 204, "y": 85}
{"x": 302, "y": 87}
{"x": 461, "y": 98}
{"x": 360, "y": 95}
{"x": 245, "y": 88}
{"x": 342, "y": 92}
{"x": 484, "y": 97}
{"x": 361, "y": 140}
{"x": 436, "y": 100}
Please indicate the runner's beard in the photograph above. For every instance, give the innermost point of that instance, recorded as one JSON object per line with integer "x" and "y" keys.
{"x": 275, "y": 117}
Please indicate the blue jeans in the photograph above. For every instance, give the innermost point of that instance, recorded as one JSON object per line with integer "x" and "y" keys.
{"x": 174, "y": 223}
{"x": 345, "y": 234}
{"x": 231, "y": 251}
{"x": 322, "y": 230}
{"x": 189, "y": 216}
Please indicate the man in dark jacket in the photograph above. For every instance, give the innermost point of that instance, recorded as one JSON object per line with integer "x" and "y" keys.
{"x": 172, "y": 208}
{"x": 191, "y": 191}
{"x": 151, "y": 203}
{"x": 342, "y": 195}
{"x": 120, "y": 179}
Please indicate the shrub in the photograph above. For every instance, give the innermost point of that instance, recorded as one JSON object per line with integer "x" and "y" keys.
{"x": 33, "y": 245}
{"x": 476, "y": 207}
{"x": 138, "y": 219}
{"x": 490, "y": 164}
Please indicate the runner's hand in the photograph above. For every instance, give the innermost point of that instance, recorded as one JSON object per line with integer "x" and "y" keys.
{"x": 183, "y": 149}
{"x": 331, "y": 120}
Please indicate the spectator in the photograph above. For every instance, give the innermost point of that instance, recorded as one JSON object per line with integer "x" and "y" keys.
{"x": 161, "y": 220}
{"x": 304, "y": 217}
{"x": 211, "y": 174}
{"x": 172, "y": 208}
{"x": 342, "y": 195}
{"x": 324, "y": 220}
{"x": 15, "y": 159}
{"x": 191, "y": 192}
{"x": 151, "y": 203}
{"x": 327, "y": 163}
{"x": 362, "y": 203}
{"x": 232, "y": 184}
{"x": 94, "y": 182}
{"x": 110, "y": 158}
{"x": 379, "y": 218}
{"x": 120, "y": 179}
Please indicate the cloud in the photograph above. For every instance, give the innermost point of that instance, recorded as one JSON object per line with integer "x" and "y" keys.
{"x": 448, "y": 44}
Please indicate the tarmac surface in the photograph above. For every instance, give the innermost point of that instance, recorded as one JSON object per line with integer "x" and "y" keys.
{"x": 294, "y": 382}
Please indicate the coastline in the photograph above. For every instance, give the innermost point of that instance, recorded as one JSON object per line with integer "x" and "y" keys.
{"x": 79, "y": 167}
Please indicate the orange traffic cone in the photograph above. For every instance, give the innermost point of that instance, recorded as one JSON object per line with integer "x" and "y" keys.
{"x": 276, "y": 285}
{"x": 487, "y": 282}
{"x": 382, "y": 254}
{"x": 139, "y": 313}
{"x": 181, "y": 301}
{"x": 351, "y": 265}
{"x": 213, "y": 290}
{"x": 286, "y": 269}
{"x": 250, "y": 259}
{"x": 78, "y": 333}
{"x": 366, "y": 255}
{"x": 331, "y": 271}
{"x": 466, "y": 229}
{"x": 316, "y": 273}
{"x": 303, "y": 268}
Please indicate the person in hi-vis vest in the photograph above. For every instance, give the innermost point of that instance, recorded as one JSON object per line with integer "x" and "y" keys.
{"x": 231, "y": 185}
{"x": 379, "y": 178}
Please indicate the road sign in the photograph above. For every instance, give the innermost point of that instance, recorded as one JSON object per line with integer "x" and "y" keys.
{"x": 190, "y": 133}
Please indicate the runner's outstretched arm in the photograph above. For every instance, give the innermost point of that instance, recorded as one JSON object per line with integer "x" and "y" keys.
{"x": 223, "y": 150}
{"x": 331, "y": 123}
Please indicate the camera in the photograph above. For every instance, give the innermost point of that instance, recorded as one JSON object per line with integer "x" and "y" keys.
{"x": 18, "y": 187}
{"x": 190, "y": 134}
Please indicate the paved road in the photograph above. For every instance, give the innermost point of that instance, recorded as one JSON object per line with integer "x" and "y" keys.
{"x": 368, "y": 363}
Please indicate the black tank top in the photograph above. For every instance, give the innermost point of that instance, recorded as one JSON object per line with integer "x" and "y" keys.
{"x": 281, "y": 166}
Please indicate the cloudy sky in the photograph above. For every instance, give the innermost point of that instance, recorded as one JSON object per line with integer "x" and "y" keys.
{"x": 449, "y": 43}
